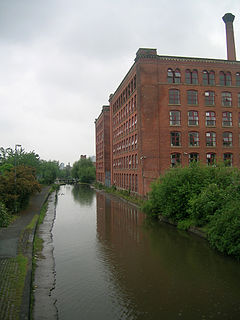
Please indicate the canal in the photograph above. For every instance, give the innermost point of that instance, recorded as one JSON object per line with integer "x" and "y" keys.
{"x": 113, "y": 264}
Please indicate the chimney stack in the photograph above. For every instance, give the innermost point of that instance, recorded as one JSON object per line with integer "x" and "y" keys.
{"x": 228, "y": 19}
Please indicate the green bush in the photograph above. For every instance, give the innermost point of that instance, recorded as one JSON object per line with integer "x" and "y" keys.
{"x": 224, "y": 229}
{"x": 203, "y": 205}
{"x": 5, "y": 217}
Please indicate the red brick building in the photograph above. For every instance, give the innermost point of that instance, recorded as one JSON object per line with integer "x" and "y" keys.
{"x": 173, "y": 110}
{"x": 102, "y": 134}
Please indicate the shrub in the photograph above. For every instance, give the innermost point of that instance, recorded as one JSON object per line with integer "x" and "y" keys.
{"x": 5, "y": 217}
{"x": 224, "y": 229}
{"x": 203, "y": 205}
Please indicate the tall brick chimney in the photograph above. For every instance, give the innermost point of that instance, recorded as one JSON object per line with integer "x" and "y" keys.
{"x": 228, "y": 19}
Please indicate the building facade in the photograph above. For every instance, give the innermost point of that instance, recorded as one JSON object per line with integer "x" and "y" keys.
{"x": 102, "y": 134}
{"x": 170, "y": 111}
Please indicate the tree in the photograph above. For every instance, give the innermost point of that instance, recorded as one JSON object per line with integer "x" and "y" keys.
{"x": 84, "y": 170}
{"x": 16, "y": 186}
{"x": 48, "y": 171}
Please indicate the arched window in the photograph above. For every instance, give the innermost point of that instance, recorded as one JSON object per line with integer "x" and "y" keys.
{"x": 210, "y": 139}
{"x": 211, "y": 158}
{"x": 228, "y": 159}
{"x": 192, "y": 97}
{"x": 175, "y": 159}
{"x": 173, "y": 76}
{"x": 212, "y": 78}
{"x": 193, "y": 118}
{"x": 205, "y": 76}
{"x": 193, "y": 138}
{"x": 209, "y": 98}
{"x": 174, "y": 96}
{"x": 227, "y": 139}
{"x": 191, "y": 77}
{"x": 193, "y": 157}
{"x": 175, "y": 138}
{"x": 225, "y": 79}
{"x": 170, "y": 76}
{"x": 227, "y": 119}
{"x": 210, "y": 118}
{"x": 238, "y": 79}
{"x": 226, "y": 99}
{"x": 174, "y": 118}
{"x": 188, "y": 76}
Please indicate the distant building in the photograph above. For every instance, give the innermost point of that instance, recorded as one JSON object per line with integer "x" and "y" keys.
{"x": 170, "y": 111}
{"x": 102, "y": 134}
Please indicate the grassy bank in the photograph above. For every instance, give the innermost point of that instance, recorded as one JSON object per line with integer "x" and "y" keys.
{"x": 125, "y": 194}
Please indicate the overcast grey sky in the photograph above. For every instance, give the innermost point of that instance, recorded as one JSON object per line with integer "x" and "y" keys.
{"x": 61, "y": 59}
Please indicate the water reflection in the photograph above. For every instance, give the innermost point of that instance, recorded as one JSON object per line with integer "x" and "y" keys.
{"x": 160, "y": 271}
{"x": 83, "y": 194}
{"x": 111, "y": 264}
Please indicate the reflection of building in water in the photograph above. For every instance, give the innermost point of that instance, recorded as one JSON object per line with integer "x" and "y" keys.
{"x": 117, "y": 220}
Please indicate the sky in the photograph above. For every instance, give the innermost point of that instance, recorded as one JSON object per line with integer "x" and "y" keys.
{"x": 61, "y": 59}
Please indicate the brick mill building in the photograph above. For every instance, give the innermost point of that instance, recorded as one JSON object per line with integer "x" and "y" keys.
{"x": 172, "y": 110}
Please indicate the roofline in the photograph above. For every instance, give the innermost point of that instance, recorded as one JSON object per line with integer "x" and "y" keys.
{"x": 171, "y": 58}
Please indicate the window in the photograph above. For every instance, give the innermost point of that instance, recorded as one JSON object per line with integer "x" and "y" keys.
{"x": 192, "y": 118}
{"x": 192, "y": 97}
{"x": 175, "y": 139}
{"x": 227, "y": 158}
{"x": 225, "y": 79}
{"x": 173, "y": 76}
{"x": 174, "y": 96}
{"x": 175, "y": 118}
{"x": 191, "y": 77}
{"x": 211, "y": 158}
{"x": 208, "y": 78}
{"x": 238, "y": 79}
{"x": 227, "y": 119}
{"x": 226, "y": 99}
{"x": 210, "y": 118}
{"x": 239, "y": 99}
{"x": 175, "y": 159}
{"x": 209, "y": 98}
{"x": 239, "y": 119}
{"x": 193, "y": 139}
{"x": 193, "y": 157}
{"x": 210, "y": 139}
{"x": 227, "y": 139}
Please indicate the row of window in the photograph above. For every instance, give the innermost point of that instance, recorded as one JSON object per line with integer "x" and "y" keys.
{"x": 128, "y": 90}
{"x": 125, "y": 112}
{"x": 210, "y": 118}
{"x": 208, "y": 77}
{"x": 126, "y": 127}
{"x": 194, "y": 141}
{"x": 210, "y": 158}
{"x": 126, "y": 181}
{"x": 127, "y": 144}
{"x": 128, "y": 162}
{"x": 209, "y": 98}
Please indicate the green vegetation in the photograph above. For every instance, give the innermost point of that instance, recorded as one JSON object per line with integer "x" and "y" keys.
{"x": 204, "y": 197}
{"x": 84, "y": 171}
{"x": 21, "y": 175}
{"x": 125, "y": 194}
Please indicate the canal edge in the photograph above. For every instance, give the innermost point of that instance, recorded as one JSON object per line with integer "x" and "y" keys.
{"x": 44, "y": 277}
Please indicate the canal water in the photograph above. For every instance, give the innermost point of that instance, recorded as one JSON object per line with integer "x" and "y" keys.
{"x": 113, "y": 264}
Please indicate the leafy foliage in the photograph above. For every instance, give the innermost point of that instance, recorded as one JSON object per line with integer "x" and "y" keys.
{"x": 16, "y": 186}
{"x": 84, "y": 170}
{"x": 4, "y": 216}
{"x": 224, "y": 229}
{"x": 197, "y": 196}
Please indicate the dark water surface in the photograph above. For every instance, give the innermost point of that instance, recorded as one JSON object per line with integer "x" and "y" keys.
{"x": 111, "y": 264}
